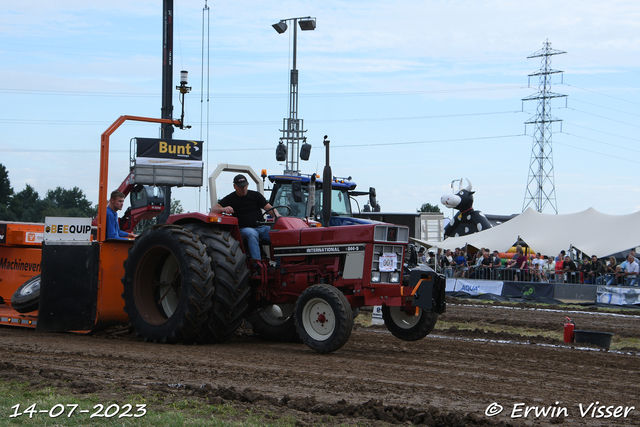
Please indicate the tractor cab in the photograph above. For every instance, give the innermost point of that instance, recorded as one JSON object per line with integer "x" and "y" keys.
{"x": 293, "y": 191}
{"x": 146, "y": 201}
{"x": 148, "y": 197}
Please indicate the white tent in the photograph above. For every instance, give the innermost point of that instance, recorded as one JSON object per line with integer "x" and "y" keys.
{"x": 590, "y": 231}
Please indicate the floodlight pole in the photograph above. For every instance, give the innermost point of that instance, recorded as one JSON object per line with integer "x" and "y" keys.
{"x": 293, "y": 128}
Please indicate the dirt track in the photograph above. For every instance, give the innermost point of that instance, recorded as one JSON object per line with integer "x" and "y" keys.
{"x": 449, "y": 378}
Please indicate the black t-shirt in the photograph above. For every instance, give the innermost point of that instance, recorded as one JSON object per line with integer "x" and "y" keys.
{"x": 246, "y": 208}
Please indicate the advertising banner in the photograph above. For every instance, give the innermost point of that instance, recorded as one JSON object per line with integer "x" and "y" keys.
{"x": 530, "y": 290}
{"x": 63, "y": 229}
{"x": 617, "y": 295}
{"x": 173, "y": 152}
{"x": 478, "y": 287}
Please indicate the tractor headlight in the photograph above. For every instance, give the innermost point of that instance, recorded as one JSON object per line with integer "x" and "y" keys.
{"x": 375, "y": 277}
{"x": 394, "y": 277}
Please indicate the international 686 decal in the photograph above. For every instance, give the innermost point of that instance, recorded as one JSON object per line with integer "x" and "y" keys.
{"x": 319, "y": 250}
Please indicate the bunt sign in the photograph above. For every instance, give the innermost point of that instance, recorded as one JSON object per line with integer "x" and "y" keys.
{"x": 172, "y": 162}
{"x": 187, "y": 152}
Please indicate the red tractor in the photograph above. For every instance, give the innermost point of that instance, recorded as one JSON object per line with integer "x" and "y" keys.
{"x": 189, "y": 280}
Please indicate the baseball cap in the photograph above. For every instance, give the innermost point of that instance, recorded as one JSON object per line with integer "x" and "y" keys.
{"x": 240, "y": 181}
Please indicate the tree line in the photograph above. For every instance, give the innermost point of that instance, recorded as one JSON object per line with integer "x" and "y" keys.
{"x": 28, "y": 206}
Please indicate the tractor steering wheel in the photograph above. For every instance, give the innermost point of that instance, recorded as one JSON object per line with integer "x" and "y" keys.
{"x": 277, "y": 207}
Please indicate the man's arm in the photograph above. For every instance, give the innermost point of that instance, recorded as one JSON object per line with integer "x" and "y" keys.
{"x": 220, "y": 209}
{"x": 268, "y": 208}
{"x": 113, "y": 228}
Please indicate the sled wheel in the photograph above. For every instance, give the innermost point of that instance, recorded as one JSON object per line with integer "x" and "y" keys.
{"x": 275, "y": 323}
{"x": 231, "y": 283}
{"x": 27, "y": 297}
{"x": 409, "y": 326}
{"x": 168, "y": 284}
{"x": 324, "y": 319}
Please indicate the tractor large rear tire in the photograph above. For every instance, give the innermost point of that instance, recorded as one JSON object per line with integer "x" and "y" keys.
{"x": 324, "y": 318}
{"x": 231, "y": 283}
{"x": 409, "y": 327}
{"x": 168, "y": 284}
{"x": 275, "y": 324}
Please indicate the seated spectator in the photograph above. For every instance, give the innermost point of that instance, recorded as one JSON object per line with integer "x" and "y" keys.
{"x": 438, "y": 260}
{"x": 560, "y": 275}
{"x": 447, "y": 263}
{"x": 596, "y": 274}
{"x": 631, "y": 271}
{"x": 620, "y": 277}
{"x": 431, "y": 260}
{"x": 548, "y": 268}
{"x": 520, "y": 265}
{"x": 486, "y": 265}
{"x": 570, "y": 269}
{"x": 511, "y": 261}
{"x": 496, "y": 260}
{"x": 496, "y": 264}
{"x": 611, "y": 271}
{"x": 474, "y": 270}
{"x": 421, "y": 256}
{"x": 585, "y": 267}
{"x": 536, "y": 267}
{"x": 461, "y": 265}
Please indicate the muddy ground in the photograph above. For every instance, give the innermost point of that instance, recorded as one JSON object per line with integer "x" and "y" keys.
{"x": 452, "y": 377}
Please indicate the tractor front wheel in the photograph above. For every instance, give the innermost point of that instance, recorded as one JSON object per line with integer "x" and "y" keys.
{"x": 168, "y": 284}
{"x": 409, "y": 326}
{"x": 324, "y": 319}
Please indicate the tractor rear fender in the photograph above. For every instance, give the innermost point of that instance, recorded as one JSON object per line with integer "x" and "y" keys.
{"x": 213, "y": 220}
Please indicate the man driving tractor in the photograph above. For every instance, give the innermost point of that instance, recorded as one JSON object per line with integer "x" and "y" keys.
{"x": 246, "y": 205}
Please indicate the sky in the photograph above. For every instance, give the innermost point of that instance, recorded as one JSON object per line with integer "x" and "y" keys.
{"x": 412, "y": 94}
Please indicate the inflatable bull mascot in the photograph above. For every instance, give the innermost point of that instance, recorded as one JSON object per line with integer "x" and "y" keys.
{"x": 467, "y": 220}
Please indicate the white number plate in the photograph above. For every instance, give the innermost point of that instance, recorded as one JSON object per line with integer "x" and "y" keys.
{"x": 388, "y": 262}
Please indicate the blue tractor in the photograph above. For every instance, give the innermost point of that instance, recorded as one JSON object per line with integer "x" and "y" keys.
{"x": 294, "y": 191}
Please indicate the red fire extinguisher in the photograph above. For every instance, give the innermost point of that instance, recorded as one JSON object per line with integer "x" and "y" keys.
{"x": 568, "y": 330}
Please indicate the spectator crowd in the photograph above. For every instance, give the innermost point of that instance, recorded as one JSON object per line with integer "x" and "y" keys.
{"x": 489, "y": 265}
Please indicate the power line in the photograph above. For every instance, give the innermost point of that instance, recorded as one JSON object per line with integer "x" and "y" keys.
{"x": 603, "y": 117}
{"x": 79, "y": 93}
{"x": 266, "y": 122}
{"x": 594, "y": 152}
{"x": 600, "y": 142}
{"x": 607, "y": 133}
{"x": 606, "y": 108}
{"x": 478, "y": 138}
{"x": 31, "y": 151}
{"x": 225, "y": 95}
{"x": 428, "y": 142}
{"x": 384, "y": 119}
{"x": 602, "y": 94}
{"x": 609, "y": 67}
